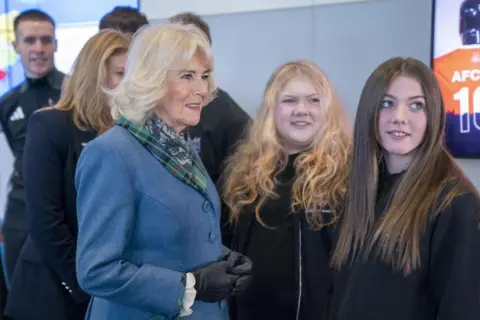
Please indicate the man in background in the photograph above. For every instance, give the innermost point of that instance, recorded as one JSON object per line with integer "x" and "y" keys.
{"x": 35, "y": 43}
{"x": 124, "y": 19}
{"x": 222, "y": 122}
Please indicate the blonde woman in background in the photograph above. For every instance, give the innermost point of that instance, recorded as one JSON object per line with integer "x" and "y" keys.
{"x": 282, "y": 187}
{"x": 149, "y": 234}
{"x": 44, "y": 284}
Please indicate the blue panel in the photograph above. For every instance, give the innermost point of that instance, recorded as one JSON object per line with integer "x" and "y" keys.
{"x": 64, "y": 11}
{"x": 8, "y": 57}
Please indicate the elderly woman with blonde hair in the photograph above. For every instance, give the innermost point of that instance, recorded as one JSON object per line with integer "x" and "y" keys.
{"x": 149, "y": 244}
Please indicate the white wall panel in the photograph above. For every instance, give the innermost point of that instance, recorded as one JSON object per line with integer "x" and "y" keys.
{"x": 161, "y": 9}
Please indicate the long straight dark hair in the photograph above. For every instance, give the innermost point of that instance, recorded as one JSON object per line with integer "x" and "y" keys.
{"x": 397, "y": 235}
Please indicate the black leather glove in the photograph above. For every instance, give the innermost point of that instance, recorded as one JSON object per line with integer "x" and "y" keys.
{"x": 213, "y": 283}
{"x": 240, "y": 265}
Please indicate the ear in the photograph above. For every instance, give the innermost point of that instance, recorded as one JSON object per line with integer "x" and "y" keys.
{"x": 55, "y": 45}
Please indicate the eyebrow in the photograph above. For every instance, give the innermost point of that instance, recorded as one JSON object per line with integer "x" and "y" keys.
{"x": 193, "y": 71}
{"x": 296, "y": 95}
{"x": 409, "y": 98}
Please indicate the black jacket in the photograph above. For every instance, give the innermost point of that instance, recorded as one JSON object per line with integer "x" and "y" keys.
{"x": 44, "y": 284}
{"x": 445, "y": 287}
{"x": 313, "y": 275}
{"x": 222, "y": 124}
{"x": 307, "y": 292}
{"x": 16, "y": 106}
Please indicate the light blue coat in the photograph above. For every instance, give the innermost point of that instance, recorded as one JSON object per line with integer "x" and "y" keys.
{"x": 140, "y": 230}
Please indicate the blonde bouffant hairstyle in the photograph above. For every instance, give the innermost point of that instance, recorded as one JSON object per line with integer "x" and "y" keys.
{"x": 321, "y": 172}
{"x": 155, "y": 52}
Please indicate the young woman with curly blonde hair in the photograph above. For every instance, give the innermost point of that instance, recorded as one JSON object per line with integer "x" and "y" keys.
{"x": 282, "y": 186}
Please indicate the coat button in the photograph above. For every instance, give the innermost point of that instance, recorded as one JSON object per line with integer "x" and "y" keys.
{"x": 207, "y": 206}
{"x": 212, "y": 237}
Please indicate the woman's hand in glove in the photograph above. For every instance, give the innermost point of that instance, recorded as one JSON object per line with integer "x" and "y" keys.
{"x": 241, "y": 266}
{"x": 213, "y": 283}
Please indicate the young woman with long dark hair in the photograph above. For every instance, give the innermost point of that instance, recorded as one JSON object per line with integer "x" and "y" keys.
{"x": 408, "y": 245}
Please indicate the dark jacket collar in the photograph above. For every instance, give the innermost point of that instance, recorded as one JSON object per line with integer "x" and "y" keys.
{"x": 54, "y": 79}
{"x": 387, "y": 180}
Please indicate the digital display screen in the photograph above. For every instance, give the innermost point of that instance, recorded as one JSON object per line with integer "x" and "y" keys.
{"x": 456, "y": 63}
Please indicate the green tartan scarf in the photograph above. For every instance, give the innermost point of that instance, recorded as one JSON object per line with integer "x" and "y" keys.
{"x": 194, "y": 176}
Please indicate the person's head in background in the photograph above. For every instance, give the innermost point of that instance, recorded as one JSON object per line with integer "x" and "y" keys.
{"x": 123, "y": 18}
{"x": 192, "y": 18}
{"x": 99, "y": 66}
{"x": 35, "y": 42}
{"x": 470, "y": 22}
{"x": 174, "y": 84}
{"x": 300, "y": 114}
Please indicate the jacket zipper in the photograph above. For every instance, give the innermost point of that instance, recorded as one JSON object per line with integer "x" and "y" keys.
{"x": 300, "y": 271}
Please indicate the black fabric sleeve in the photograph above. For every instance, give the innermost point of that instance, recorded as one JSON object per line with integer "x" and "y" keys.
{"x": 455, "y": 260}
{"x": 43, "y": 163}
{"x": 4, "y": 122}
{"x": 236, "y": 129}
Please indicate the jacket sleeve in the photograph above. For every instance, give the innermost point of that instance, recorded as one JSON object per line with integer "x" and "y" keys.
{"x": 43, "y": 163}
{"x": 106, "y": 209}
{"x": 455, "y": 260}
{"x": 4, "y": 119}
{"x": 236, "y": 129}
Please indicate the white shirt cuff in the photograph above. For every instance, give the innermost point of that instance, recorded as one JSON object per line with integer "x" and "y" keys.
{"x": 189, "y": 296}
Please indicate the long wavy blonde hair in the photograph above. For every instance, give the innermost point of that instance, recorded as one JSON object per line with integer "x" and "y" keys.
{"x": 320, "y": 173}
{"x": 83, "y": 92}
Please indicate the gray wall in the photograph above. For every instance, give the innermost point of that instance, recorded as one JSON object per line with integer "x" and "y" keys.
{"x": 347, "y": 40}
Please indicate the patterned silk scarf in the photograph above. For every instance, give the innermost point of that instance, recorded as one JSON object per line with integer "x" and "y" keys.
{"x": 174, "y": 144}
{"x": 171, "y": 149}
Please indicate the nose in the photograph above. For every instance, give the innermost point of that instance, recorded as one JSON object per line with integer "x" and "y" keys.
{"x": 400, "y": 114}
{"x": 201, "y": 87}
{"x": 38, "y": 46}
{"x": 300, "y": 108}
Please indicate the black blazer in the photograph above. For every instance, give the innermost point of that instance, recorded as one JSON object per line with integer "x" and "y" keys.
{"x": 44, "y": 283}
